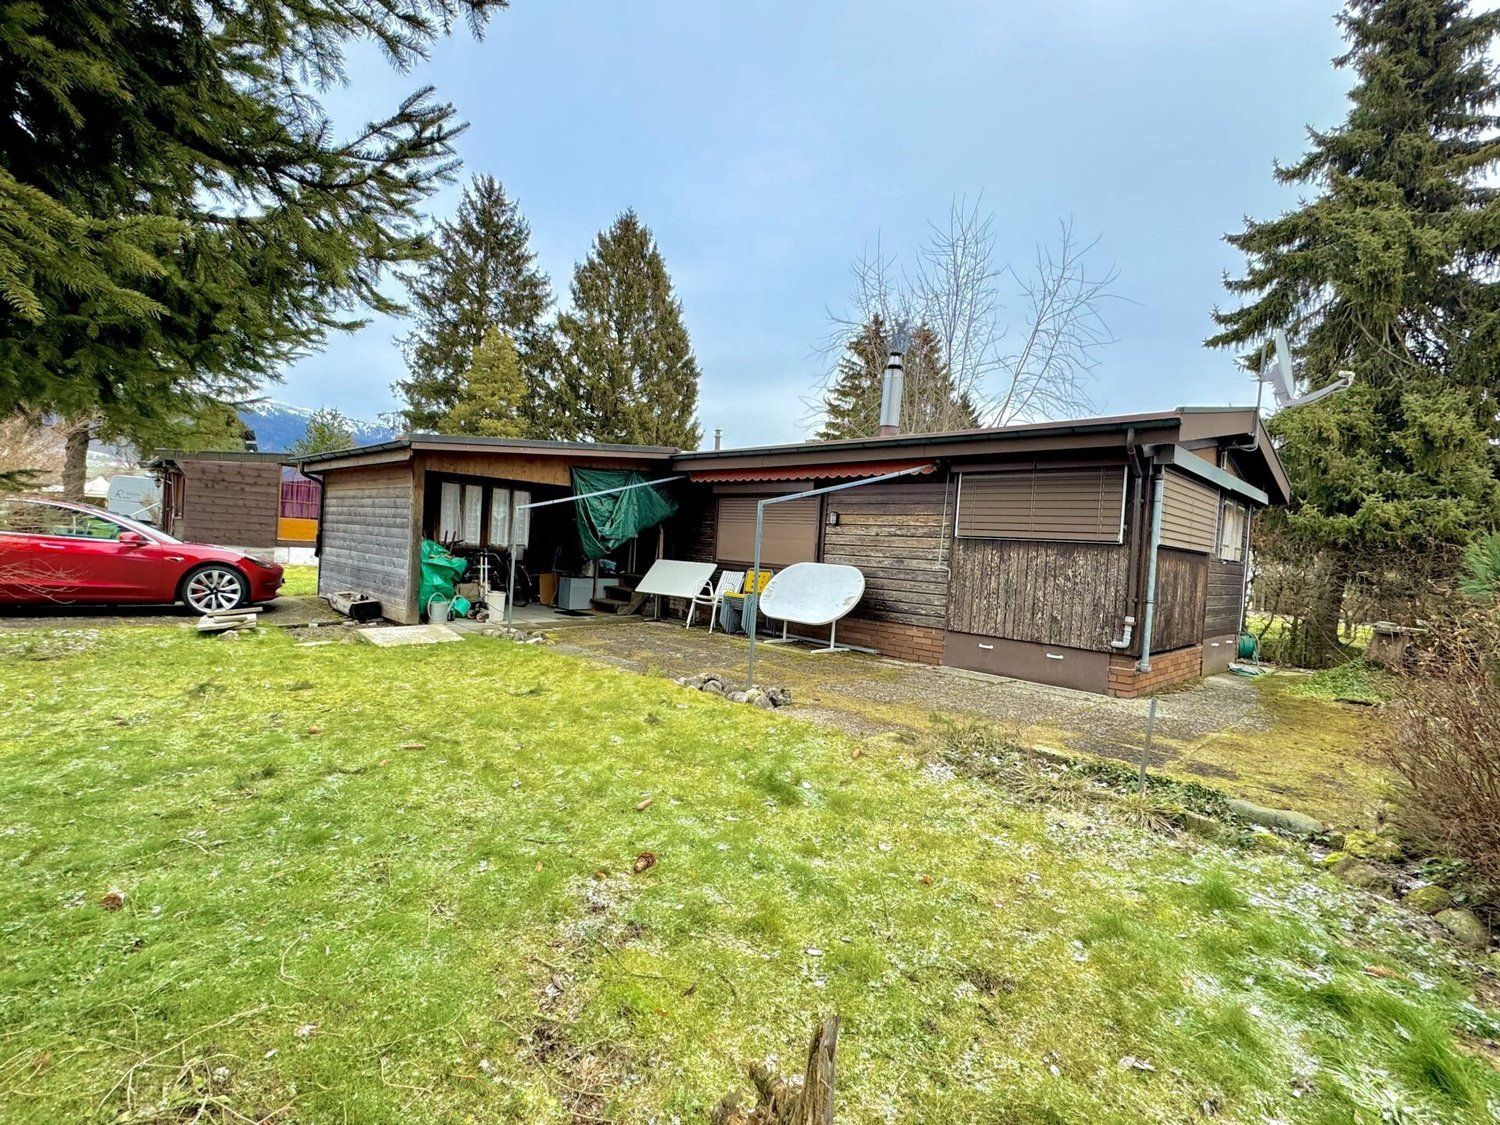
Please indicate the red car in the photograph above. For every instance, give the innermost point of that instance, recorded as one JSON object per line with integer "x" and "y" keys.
{"x": 55, "y": 553}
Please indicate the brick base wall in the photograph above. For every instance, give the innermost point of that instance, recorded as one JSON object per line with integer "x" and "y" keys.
{"x": 917, "y": 643}
{"x": 1167, "y": 668}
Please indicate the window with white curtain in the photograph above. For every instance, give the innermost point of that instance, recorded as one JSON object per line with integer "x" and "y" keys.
{"x": 1232, "y": 519}
{"x": 450, "y": 512}
{"x": 499, "y": 516}
{"x": 462, "y": 518}
{"x": 473, "y": 514}
{"x": 523, "y": 516}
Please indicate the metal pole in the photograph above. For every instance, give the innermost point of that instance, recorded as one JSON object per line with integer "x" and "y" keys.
{"x": 752, "y": 599}
{"x": 1146, "y": 752}
{"x": 591, "y": 495}
{"x": 510, "y": 589}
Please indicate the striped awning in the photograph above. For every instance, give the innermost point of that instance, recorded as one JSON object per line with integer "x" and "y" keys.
{"x": 839, "y": 471}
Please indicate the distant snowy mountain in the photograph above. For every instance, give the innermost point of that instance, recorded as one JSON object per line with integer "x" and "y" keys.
{"x": 278, "y": 425}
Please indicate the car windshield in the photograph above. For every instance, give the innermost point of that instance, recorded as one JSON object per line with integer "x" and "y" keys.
{"x": 32, "y": 517}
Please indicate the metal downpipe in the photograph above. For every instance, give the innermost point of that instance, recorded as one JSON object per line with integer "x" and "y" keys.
{"x": 1148, "y": 618}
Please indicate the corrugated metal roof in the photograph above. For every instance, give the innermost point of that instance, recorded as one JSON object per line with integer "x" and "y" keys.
{"x": 811, "y": 472}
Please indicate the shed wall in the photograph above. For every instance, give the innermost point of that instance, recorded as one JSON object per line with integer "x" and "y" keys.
{"x": 531, "y": 469}
{"x": 234, "y": 503}
{"x": 367, "y": 536}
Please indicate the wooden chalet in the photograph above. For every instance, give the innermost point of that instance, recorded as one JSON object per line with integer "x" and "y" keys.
{"x": 1024, "y": 551}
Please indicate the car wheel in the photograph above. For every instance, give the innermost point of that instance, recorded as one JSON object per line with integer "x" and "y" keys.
{"x": 215, "y": 588}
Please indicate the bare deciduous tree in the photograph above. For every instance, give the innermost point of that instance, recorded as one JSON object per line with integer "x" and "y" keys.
{"x": 30, "y": 453}
{"x": 955, "y": 290}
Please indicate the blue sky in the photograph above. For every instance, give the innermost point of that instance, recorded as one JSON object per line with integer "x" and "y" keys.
{"x": 766, "y": 144}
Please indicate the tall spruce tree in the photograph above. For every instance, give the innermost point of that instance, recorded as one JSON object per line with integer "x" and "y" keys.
{"x": 929, "y": 401}
{"x": 493, "y": 403}
{"x": 483, "y": 278}
{"x": 628, "y": 371}
{"x": 1391, "y": 271}
{"x": 178, "y": 216}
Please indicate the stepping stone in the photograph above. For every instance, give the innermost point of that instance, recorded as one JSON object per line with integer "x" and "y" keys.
{"x": 388, "y": 636}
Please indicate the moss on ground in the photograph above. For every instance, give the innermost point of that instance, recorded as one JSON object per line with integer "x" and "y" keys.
{"x": 1316, "y": 757}
{"x": 377, "y": 885}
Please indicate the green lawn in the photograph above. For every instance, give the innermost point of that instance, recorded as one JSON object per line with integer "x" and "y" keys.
{"x": 300, "y": 581}
{"x": 396, "y": 885}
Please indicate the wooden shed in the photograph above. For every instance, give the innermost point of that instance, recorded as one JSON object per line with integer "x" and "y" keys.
{"x": 380, "y": 501}
{"x": 255, "y": 501}
{"x": 1107, "y": 554}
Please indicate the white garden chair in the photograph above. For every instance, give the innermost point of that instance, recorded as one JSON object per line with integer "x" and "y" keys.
{"x": 730, "y": 582}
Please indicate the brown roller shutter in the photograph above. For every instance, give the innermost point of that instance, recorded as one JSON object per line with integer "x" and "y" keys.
{"x": 1064, "y": 505}
{"x": 789, "y": 535}
{"x": 1189, "y": 514}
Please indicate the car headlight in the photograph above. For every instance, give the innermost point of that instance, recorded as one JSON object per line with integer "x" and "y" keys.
{"x": 262, "y": 563}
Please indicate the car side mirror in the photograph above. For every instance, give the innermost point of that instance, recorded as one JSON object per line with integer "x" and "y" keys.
{"x": 130, "y": 539}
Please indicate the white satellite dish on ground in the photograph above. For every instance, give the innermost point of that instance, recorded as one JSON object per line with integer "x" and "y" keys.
{"x": 1283, "y": 379}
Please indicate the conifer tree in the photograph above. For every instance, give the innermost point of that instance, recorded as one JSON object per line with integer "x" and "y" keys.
{"x": 1390, "y": 271}
{"x": 482, "y": 278}
{"x": 178, "y": 216}
{"x": 493, "y": 400}
{"x": 929, "y": 402}
{"x": 628, "y": 371}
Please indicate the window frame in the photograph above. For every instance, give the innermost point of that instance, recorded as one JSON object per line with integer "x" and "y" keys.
{"x": 1239, "y": 546}
{"x": 486, "y": 488}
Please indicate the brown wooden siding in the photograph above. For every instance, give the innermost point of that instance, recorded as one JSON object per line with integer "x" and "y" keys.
{"x": 367, "y": 536}
{"x": 531, "y": 469}
{"x": 1070, "y": 594}
{"x": 234, "y": 503}
{"x": 894, "y": 533}
{"x": 1221, "y": 613}
{"x": 1181, "y": 592}
{"x": 1072, "y": 505}
{"x": 789, "y": 533}
{"x": 1189, "y": 514}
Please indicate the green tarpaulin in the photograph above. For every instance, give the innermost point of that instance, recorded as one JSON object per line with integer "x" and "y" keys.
{"x": 440, "y": 573}
{"x": 605, "y": 522}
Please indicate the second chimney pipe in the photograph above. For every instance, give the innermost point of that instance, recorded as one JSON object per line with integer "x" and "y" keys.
{"x": 718, "y": 439}
{"x": 890, "y": 396}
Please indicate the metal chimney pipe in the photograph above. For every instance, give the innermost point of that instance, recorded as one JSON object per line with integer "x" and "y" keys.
{"x": 718, "y": 439}
{"x": 890, "y": 396}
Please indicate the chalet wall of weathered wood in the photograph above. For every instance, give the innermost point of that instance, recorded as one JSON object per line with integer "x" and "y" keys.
{"x": 896, "y": 535}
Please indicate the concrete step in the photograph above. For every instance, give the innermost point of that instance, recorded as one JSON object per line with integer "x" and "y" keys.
{"x": 621, "y": 607}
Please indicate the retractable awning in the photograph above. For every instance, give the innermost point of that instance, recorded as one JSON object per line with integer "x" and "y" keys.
{"x": 845, "y": 471}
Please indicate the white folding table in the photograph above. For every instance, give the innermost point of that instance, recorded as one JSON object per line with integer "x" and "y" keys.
{"x": 676, "y": 578}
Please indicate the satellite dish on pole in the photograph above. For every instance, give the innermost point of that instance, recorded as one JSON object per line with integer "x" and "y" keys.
{"x": 1283, "y": 378}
